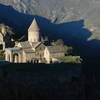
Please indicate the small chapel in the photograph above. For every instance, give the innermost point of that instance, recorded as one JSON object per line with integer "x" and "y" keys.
{"x": 34, "y": 49}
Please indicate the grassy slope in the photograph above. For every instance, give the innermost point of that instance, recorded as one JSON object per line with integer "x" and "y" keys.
{"x": 70, "y": 59}
{"x": 2, "y": 57}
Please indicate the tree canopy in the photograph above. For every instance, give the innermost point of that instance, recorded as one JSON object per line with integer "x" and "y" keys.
{"x": 67, "y": 49}
{"x": 4, "y": 29}
{"x": 58, "y": 42}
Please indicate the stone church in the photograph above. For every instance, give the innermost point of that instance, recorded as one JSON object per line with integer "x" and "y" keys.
{"x": 33, "y": 50}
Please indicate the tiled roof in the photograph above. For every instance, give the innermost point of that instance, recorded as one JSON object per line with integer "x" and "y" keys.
{"x": 25, "y": 44}
{"x": 35, "y": 44}
{"x": 34, "y": 26}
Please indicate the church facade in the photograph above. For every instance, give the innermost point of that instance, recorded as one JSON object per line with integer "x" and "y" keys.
{"x": 33, "y": 50}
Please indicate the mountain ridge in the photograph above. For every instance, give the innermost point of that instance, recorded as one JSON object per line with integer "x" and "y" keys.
{"x": 60, "y": 11}
{"x": 75, "y": 32}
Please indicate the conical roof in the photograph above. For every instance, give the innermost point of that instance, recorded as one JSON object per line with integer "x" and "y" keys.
{"x": 34, "y": 26}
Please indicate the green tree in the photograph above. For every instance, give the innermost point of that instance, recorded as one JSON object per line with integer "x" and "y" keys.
{"x": 58, "y": 42}
{"x": 68, "y": 50}
{"x": 4, "y": 29}
{"x": 7, "y": 35}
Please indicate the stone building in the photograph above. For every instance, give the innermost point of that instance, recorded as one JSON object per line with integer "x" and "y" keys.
{"x": 51, "y": 53}
{"x": 2, "y": 43}
{"x": 33, "y": 50}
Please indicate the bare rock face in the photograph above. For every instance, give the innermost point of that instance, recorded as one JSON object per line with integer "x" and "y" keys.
{"x": 55, "y": 9}
{"x": 59, "y": 11}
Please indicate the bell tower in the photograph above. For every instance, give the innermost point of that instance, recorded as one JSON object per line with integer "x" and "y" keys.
{"x": 34, "y": 32}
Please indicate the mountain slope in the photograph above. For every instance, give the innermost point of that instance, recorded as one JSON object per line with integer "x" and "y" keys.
{"x": 59, "y": 10}
{"x": 65, "y": 16}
